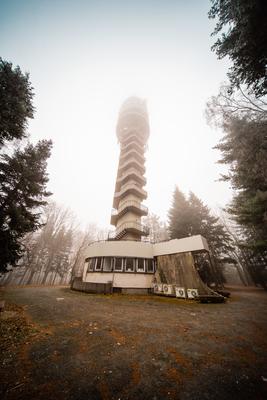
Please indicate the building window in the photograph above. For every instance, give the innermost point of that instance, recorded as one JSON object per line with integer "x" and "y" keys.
{"x": 149, "y": 265}
{"x": 91, "y": 264}
{"x": 98, "y": 264}
{"x": 140, "y": 265}
{"x": 107, "y": 264}
{"x": 118, "y": 266}
{"x": 129, "y": 264}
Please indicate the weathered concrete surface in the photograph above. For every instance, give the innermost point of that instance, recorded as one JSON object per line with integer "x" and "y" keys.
{"x": 179, "y": 269}
{"x": 91, "y": 287}
{"x": 138, "y": 347}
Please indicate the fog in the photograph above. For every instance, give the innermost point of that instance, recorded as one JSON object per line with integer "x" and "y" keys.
{"x": 84, "y": 59}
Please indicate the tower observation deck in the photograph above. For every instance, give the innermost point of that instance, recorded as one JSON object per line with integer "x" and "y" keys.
{"x": 132, "y": 133}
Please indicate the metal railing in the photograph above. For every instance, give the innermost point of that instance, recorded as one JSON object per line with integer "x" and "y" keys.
{"x": 129, "y": 226}
{"x": 129, "y": 203}
{"x": 130, "y": 186}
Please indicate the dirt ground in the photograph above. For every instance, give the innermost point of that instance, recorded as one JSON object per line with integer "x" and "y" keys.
{"x": 61, "y": 344}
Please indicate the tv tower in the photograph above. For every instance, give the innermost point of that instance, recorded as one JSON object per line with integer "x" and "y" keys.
{"x": 132, "y": 133}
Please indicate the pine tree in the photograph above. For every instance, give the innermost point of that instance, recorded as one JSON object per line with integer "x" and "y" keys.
{"x": 244, "y": 149}
{"x": 23, "y": 179}
{"x": 23, "y": 174}
{"x": 207, "y": 225}
{"x": 243, "y": 29}
{"x": 179, "y": 216}
{"x": 199, "y": 215}
{"x": 190, "y": 217}
{"x": 16, "y": 107}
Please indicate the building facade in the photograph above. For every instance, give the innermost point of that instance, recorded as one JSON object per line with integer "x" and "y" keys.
{"x": 136, "y": 267}
{"x": 126, "y": 262}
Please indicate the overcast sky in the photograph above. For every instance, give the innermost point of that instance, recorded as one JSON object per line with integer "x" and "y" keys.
{"x": 85, "y": 58}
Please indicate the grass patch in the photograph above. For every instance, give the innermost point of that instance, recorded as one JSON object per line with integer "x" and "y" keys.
{"x": 15, "y": 329}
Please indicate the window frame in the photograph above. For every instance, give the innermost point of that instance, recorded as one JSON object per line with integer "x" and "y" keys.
{"x": 122, "y": 264}
{"x": 137, "y": 263}
{"x": 101, "y": 264}
{"x": 91, "y": 263}
{"x": 147, "y": 260}
{"x": 111, "y": 264}
{"x": 97, "y": 264}
{"x": 125, "y": 264}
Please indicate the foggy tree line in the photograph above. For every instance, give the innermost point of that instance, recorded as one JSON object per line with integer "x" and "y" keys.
{"x": 240, "y": 111}
{"x": 243, "y": 119}
{"x": 41, "y": 238}
{"x": 54, "y": 253}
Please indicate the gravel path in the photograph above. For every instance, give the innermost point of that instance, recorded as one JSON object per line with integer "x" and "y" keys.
{"x": 137, "y": 347}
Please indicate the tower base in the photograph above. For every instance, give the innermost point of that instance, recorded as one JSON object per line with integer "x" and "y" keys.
{"x": 167, "y": 268}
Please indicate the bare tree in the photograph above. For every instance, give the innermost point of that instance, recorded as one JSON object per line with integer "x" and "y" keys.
{"x": 238, "y": 254}
{"x": 48, "y": 251}
{"x": 239, "y": 104}
{"x": 83, "y": 240}
{"x": 157, "y": 229}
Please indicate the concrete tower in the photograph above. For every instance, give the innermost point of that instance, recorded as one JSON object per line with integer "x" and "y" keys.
{"x": 132, "y": 133}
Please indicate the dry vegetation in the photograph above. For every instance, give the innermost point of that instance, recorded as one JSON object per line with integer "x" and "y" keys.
{"x": 69, "y": 345}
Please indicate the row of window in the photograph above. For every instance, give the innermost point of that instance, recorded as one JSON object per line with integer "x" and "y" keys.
{"x": 121, "y": 264}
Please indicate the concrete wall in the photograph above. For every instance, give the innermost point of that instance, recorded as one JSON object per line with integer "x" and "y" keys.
{"x": 129, "y": 217}
{"x": 120, "y": 248}
{"x": 124, "y": 248}
{"x": 179, "y": 270}
{"x": 120, "y": 279}
{"x": 91, "y": 287}
{"x": 192, "y": 243}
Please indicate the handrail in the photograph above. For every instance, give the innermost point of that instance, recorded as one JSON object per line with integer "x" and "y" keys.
{"x": 111, "y": 236}
{"x": 133, "y": 202}
{"x": 128, "y": 186}
{"x": 130, "y": 225}
{"x": 128, "y": 203}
